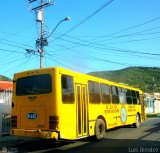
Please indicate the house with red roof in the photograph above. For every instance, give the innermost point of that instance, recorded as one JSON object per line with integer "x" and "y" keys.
{"x": 5, "y": 85}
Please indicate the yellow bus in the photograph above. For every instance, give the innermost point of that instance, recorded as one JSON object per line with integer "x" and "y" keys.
{"x": 60, "y": 103}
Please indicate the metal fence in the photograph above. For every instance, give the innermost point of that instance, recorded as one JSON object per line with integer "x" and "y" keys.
{"x": 5, "y": 111}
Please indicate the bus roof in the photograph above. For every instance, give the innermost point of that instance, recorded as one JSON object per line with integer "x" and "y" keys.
{"x": 74, "y": 73}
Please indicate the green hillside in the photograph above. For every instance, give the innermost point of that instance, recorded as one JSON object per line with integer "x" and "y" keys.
{"x": 4, "y": 78}
{"x": 145, "y": 78}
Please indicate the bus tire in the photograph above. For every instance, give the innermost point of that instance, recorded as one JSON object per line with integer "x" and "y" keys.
{"x": 100, "y": 129}
{"x": 137, "y": 123}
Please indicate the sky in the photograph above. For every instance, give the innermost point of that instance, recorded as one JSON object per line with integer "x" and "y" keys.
{"x": 101, "y": 35}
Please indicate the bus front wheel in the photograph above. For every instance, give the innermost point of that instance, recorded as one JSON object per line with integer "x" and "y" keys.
{"x": 100, "y": 129}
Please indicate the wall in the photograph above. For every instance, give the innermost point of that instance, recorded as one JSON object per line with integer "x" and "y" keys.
{"x": 1, "y": 108}
{"x": 5, "y": 111}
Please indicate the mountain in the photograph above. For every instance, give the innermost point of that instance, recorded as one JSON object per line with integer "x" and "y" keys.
{"x": 144, "y": 78}
{"x": 4, "y": 78}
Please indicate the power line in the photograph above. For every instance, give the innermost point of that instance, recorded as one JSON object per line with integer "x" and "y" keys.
{"x": 16, "y": 33}
{"x": 87, "y": 18}
{"x": 125, "y": 29}
{"x": 103, "y": 36}
{"x": 120, "y": 50}
{"x": 17, "y": 66}
{"x": 15, "y": 42}
{"x": 133, "y": 27}
{"x": 128, "y": 35}
{"x": 11, "y": 45}
{"x": 85, "y": 43}
{"x": 69, "y": 61}
{"x": 12, "y": 51}
{"x": 133, "y": 52}
{"x": 105, "y": 60}
{"x": 6, "y": 63}
{"x": 90, "y": 16}
{"x": 125, "y": 52}
{"x": 134, "y": 40}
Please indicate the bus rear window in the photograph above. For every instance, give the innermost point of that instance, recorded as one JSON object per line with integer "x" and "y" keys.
{"x": 32, "y": 85}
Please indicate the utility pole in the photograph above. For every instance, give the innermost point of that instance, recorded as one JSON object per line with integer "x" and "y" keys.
{"x": 41, "y": 41}
{"x": 42, "y": 34}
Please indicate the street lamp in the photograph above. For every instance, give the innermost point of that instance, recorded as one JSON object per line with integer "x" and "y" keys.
{"x": 40, "y": 43}
{"x": 65, "y": 19}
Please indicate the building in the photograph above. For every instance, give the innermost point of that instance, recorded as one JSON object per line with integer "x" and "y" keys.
{"x": 5, "y": 106}
{"x": 157, "y": 103}
{"x": 152, "y": 102}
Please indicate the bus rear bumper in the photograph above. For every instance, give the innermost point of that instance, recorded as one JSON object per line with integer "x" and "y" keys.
{"x": 35, "y": 133}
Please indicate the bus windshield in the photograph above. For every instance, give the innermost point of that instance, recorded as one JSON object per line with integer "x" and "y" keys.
{"x": 31, "y": 85}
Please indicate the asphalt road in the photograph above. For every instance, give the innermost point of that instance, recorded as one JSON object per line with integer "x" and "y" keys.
{"x": 125, "y": 139}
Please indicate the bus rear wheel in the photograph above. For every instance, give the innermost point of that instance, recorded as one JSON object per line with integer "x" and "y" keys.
{"x": 100, "y": 129}
{"x": 137, "y": 123}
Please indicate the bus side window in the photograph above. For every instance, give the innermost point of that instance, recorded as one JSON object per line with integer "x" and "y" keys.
{"x": 122, "y": 95}
{"x": 134, "y": 97}
{"x": 138, "y": 98}
{"x": 67, "y": 89}
{"x": 129, "y": 97}
{"x": 94, "y": 92}
{"x": 105, "y": 93}
{"x": 115, "y": 97}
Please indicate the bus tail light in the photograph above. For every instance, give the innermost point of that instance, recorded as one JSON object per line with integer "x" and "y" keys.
{"x": 53, "y": 122}
{"x": 14, "y": 121}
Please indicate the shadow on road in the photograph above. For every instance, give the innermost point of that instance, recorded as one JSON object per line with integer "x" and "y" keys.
{"x": 87, "y": 146}
{"x": 147, "y": 141}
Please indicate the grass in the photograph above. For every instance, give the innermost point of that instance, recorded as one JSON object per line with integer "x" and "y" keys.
{"x": 153, "y": 115}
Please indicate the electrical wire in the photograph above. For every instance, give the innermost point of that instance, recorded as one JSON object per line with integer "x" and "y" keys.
{"x": 103, "y": 36}
{"x": 134, "y": 40}
{"x": 120, "y": 50}
{"x": 12, "y": 51}
{"x": 70, "y": 61}
{"x": 133, "y": 27}
{"x": 15, "y": 42}
{"x": 105, "y": 60}
{"x": 128, "y": 35}
{"x": 127, "y": 53}
{"x": 87, "y": 18}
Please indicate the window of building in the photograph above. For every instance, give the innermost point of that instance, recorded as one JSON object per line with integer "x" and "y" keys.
{"x": 105, "y": 92}
{"x": 67, "y": 89}
{"x": 94, "y": 92}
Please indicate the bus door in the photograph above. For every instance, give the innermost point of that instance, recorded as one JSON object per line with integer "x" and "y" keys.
{"x": 82, "y": 110}
{"x": 142, "y": 102}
